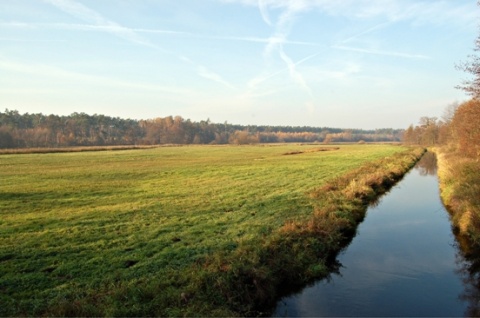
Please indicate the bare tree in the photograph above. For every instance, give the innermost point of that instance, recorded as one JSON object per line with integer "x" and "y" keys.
{"x": 471, "y": 66}
{"x": 449, "y": 112}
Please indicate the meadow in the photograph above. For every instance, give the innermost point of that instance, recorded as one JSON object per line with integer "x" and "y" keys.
{"x": 166, "y": 231}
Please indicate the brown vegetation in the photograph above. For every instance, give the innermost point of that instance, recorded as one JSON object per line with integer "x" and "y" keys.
{"x": 459, "y": 129}
{"x": 465, "y": 127}
{"x": 460, "y": 191}
{"x": 311, "y": 150}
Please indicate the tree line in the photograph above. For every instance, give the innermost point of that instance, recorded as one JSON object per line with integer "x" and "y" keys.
{"x": 80, "y": 129}
{"x": 459, "y": 128}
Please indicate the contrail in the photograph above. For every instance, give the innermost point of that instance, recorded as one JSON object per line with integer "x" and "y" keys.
{"x": 294, "y": 74}
{"x": 386, "y": 53}
{"x": 102, "y": 24}
{"x": 367, "y": 31}
{"x": 86, "y": 14}
{"x": 263, "y": 7}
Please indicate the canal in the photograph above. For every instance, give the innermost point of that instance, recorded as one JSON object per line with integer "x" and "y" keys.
{"x": 404, "y": 261}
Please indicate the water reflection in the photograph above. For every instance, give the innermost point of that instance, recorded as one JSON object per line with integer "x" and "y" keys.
{"x": 468, "y": 262}
{"x": 427, "y": 165}
{"x": 403, "y": 262}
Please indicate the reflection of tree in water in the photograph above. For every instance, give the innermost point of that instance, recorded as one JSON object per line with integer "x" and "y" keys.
{"x": 468, "y": 267}
{"x": 428, "y": 164}
{"x": 467, "y": 258}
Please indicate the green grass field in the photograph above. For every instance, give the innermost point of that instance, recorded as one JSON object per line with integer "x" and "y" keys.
{"x": 79, "y": 231}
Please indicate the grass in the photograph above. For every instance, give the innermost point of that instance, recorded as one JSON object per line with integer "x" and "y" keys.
{"x": 460, "y": 191}
{"x": 75, "y": 149}
{"x": 198, "y": 230}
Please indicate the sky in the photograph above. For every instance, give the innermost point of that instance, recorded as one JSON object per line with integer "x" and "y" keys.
{"x": 335, "y": 63}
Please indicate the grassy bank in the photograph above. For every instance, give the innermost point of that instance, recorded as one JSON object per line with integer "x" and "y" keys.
{"x": 460, "y": 191}
{"x": 302, "y": 249}
{"x": 178, "y": 231}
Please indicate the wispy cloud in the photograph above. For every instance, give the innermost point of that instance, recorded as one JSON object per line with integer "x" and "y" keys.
{"x": 281, "y": 31}
{"x": 254, "y": 82}
{"x": 344, "y": 70}
{"x": 299, "y": 79}
{"x": 263, "y": 7}
{"x": 376, "y": 52}
{"x": 275, "y": 44}
{"x": 294, "y": 74}
{"x": 49, "y": 71}
{"x": 365, "y": 32}
{"x": 257, "y": 40}
{"x": 426, "y": 11}
{"x": 283, "y": 26}
{"x": 392, "y": 10}
{"x": 100, "y": 23}
{"x": 208, "y": 74}
{"x": 30, "y": 40}
{"x": 19, "y": 25}
{"x": 80, "y": 11}
{"x": 97, "y": 21}
{"x": 111, "y": 28}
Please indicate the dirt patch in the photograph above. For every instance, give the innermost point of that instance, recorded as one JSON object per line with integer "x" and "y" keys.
{"x": 311, "y": 150}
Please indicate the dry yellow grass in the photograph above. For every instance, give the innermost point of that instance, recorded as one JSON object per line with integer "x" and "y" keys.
{"x": 460, "y": 191}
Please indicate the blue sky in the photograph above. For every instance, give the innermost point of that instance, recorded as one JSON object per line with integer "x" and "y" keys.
{"x": 337, "y": 63}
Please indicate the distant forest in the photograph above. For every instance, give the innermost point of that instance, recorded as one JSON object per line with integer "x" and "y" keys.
{"x": 80, "y": 129}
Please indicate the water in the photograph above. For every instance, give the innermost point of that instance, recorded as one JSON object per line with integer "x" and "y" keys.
{"x": 404, "y": 261}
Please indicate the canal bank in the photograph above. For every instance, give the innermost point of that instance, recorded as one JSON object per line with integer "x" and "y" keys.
{"x": 250, "y": 280}
{"x": 404, "y": 260}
